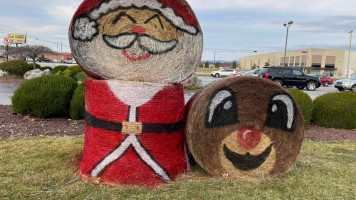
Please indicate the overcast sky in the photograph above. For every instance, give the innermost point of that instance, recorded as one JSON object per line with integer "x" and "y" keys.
{"x": 232, "y": 28}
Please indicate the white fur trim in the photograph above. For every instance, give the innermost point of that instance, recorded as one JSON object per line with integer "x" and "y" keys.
{"x": 84, "y": 28}
{"x": 167, "y": 12}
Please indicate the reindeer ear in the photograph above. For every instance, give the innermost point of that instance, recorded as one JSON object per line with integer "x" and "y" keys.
{"x": 84, "y": 29}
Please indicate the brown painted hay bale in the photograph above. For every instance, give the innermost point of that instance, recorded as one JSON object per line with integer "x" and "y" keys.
{"x": 244, "y": 127}
{"x": 136, "y": 40}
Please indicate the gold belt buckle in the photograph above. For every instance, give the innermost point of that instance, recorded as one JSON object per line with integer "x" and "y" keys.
{"x": 131, "y": 128}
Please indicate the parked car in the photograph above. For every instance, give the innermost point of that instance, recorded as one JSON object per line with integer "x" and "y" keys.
{"x": 28, "y": 59}
{"x": 237, "y": 73}
{"x": 346, "y": 84}
{"x": 223, "y": 72}
{"x": 287, "y": 76}
{"x": 68, "y": 61}
{"x": 45, "y": 60}
{"x": 253, "y": 72}
{"x": 325, "y": 80}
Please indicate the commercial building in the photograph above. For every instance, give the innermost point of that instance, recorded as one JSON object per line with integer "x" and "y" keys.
{"x": 332, "y": 62}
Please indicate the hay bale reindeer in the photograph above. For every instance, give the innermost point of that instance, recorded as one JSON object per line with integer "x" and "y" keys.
{"x": 137, "y": 52}
{"x": 245, "y": 128}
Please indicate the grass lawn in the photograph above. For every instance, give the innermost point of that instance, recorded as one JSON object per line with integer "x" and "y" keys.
{"x": 30, "y": 166}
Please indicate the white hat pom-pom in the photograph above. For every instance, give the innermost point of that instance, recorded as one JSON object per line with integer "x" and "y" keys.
{"x": 84, "y": 29}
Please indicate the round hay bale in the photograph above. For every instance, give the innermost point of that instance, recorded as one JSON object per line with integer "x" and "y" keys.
{"x": 134, "y": 132}
{"x": 244, "y": 127}
{"x": 157, "y": 41}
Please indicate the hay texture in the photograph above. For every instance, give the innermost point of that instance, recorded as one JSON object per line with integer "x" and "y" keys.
{"x": 133, "y": 132}
{"x": 244, "y": 127}
{"x": 158, "y": 41}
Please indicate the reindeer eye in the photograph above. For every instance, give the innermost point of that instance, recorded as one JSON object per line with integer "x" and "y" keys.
{"x": 281, "y": 113}
{"x": 222, "y": 109}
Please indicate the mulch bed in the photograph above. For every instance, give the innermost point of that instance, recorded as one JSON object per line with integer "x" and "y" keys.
{"x": 15, "y": 125}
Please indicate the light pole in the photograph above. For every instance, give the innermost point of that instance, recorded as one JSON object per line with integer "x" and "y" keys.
{"x": 285, "y": 48}
{"x": 348, "y": 63}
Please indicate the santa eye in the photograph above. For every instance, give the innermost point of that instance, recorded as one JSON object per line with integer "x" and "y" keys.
{"x": 123, "y": 14}
{"x": 281, "y": 112}
{"x": 222, "y": 109}
{"x": 155, "y": 17}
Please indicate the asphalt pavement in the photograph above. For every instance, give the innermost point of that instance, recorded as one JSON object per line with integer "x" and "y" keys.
{"x": 6, "y": 92}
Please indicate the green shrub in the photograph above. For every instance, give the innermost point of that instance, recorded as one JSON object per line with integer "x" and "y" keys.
{"x": 335, "y": 110}
{"x": 81, "y": 76}
{"x": 45, "y": 96}
{"x": 37, "y": 65}
{"x": 77, "y": 104}
{"x": 44, "y": 68}
{"x": 16, "y": 67}
{"x": 66, "y": 73}
{"x": 74, "y": 69}
{"x": 305, "y": 103}
{"x": 59, "y": 68}
{"x": 71, "y": 71}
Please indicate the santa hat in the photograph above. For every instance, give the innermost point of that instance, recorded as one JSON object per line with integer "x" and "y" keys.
{"x": 85, "y": 20}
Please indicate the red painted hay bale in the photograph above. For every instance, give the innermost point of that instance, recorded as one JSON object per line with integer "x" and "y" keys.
{"x": 133, "y": 133}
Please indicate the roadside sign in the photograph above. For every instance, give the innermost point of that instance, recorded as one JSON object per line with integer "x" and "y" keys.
{"x": 17, "y": 39}
{"x": 7, "y": 41}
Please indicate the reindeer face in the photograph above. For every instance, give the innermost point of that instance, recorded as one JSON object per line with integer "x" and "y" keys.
{"x": 251, "y": 128}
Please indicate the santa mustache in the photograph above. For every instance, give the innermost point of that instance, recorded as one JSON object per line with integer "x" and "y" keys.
{"x": 148, "y": 43}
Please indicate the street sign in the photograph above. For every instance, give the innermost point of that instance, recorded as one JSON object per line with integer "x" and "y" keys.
{"x": 7, "y": 41}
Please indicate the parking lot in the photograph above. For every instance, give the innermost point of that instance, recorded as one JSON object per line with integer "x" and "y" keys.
{"x": 313, "y": 94}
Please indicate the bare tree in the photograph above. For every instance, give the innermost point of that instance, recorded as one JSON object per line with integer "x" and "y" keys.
{"x": 32, "y": 51}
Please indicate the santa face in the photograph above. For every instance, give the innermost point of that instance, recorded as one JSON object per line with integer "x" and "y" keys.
{"x": 252, "y": 128}
{"x": 136, "y": 43}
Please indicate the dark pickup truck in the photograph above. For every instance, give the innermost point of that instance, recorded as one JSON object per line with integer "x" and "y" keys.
{"x": 287, "y": 76}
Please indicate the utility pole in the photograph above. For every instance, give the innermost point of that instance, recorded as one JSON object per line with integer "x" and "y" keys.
{"x": 348, "y": 63}
{"x": 57, "y": 52}
{"x": 285, "y": 48}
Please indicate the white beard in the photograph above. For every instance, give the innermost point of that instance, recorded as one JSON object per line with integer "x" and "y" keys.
{"x": 171, "y": 67}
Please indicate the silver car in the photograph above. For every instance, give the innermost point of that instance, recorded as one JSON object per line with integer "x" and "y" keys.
{"x": 253, "y": 72}
{"x": 346, "y": 84}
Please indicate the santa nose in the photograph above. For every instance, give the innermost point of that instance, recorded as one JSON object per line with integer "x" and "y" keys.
{"x": 248, "y": 137}
{"x": 138, "y": 29}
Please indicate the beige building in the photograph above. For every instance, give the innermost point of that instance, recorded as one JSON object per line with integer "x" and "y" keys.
{"x": 331, "y": 62}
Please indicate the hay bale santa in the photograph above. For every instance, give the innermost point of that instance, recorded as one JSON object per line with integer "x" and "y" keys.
{"x": 137, "y": 53}
{"x": 244, "y": 127}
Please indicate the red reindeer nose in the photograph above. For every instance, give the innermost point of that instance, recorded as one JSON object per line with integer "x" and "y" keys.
{"x": 138, "y": 29}
{"x": 248, "y": 137}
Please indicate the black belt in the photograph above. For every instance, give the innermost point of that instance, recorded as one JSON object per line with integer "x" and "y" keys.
{"x": 146, "y": 127}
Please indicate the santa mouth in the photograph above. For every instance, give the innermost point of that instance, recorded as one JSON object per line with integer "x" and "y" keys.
{"x": 247, "y": 161}
{"x": 132, "y": 58}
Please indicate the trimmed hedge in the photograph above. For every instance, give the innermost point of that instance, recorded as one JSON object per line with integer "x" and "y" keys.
{"x": 305, "y": 104}
{"x": 16, "y": 67}
{"x": 77, "y": 104}
{"x": 45, "y": 96}
{"x": 37, "y": 65}
{"x": 81, "y": 76}
{"x": 44, "y": 68}
{"x": 59, "y": 68}
{"x": 335, "y": 110}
